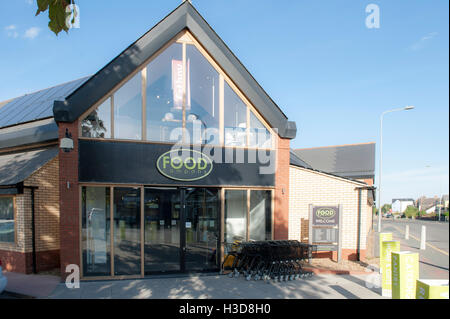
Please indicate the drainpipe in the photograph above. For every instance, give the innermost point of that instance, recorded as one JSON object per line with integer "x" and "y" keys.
{"x": 33, "y": 228}
{"x": 360, "y": 189}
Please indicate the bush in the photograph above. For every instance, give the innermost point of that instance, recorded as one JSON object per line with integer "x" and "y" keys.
{"x": 411, "y": 211}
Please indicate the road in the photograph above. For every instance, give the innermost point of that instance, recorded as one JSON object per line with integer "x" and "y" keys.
{"x": 434, "y": 260}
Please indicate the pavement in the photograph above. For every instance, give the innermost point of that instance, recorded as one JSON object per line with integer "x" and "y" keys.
{"x": 197, "y": 287}
{"x": 434, "y": 260}
{"x": 222, "y": 287}
{"x": 37, "y": 286}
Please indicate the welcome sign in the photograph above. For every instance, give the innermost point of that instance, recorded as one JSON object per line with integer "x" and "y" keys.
{"x": 326, "y": 216}
{"x": 184, "y": 165}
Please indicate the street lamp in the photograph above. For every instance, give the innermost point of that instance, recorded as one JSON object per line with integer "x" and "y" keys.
{"x": 406, "y": 108}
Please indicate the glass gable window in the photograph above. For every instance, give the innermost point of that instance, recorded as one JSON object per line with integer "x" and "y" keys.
{"x": 202, "y": 99}
{"x": 98, "y": 123}
{"x": 7, "y": 232}
{"x": 235, "y": 118}
{"x": 165, "y": 95}
{"x": 128, "y": 110}
{"x": 259, "y": 135}
{"x": 185, "y": 97}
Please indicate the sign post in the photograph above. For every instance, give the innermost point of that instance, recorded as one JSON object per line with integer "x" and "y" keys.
{"x": 388, "y": 247}
{"x": 405, "y": 272}
{"x": 325, "y": 228}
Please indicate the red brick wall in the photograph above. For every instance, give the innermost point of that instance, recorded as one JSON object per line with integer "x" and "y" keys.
{"x": 281, "y": 201}
{"x": 69, "y": 200}
{"x": 23, "y": 262}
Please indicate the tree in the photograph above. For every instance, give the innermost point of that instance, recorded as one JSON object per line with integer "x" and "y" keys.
{"x": 385, "y": 208}
{"x": 58, "y": 13}
{"x": 411, "y": 211}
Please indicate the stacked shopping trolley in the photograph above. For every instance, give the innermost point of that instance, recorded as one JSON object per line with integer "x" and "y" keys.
{"x": 278, "y": 260}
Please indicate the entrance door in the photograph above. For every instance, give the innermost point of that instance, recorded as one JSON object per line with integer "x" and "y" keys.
{"x": 181, "y": 229}
{"x": 162, "y": 230}
{"x": 202, "y": 231}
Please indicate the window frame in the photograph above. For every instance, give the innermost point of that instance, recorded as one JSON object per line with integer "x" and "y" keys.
{"x": 185, "y": 38}
{"x": 13, "y": 243}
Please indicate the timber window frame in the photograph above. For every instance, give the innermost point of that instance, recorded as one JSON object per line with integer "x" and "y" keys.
{"x": 185, "y": 38}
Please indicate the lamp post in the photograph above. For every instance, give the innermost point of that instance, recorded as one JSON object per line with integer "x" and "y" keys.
{"x": 381, "y": 158}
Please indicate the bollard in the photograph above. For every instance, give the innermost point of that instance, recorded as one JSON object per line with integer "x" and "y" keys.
{"x": 388, "y": 247}
{"x": 407, "y": 232}
{"x": 423, "y": 236}
{"x": 405, "y": 272}
{"x": 432, "y": 289}
{"x": 384, "y": 237}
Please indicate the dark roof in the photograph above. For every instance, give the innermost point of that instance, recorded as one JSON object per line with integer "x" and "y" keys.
{"x": 37, "y": 105}
{"x": 16, "y": 167}
{"x": 42, "y": 131}
{"x": 353, "y": 161}
{"x": 183, "y": 17}
{"x": 297, "y": 161}
{"x": 294, "y": 160}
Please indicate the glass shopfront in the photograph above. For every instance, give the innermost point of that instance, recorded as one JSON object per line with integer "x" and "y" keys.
{"x": 136, "y": 231}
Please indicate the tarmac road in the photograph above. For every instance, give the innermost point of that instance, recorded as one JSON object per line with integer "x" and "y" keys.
{"x": 434, "y": 260}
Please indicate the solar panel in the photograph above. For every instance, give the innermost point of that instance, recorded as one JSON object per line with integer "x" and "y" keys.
{"x": 37, "y": 105}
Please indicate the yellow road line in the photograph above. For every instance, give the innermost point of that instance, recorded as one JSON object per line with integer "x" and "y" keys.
{"x": 414, "y": 237}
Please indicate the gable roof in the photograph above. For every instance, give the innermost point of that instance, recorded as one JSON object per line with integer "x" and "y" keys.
{"x": 37, "y": 105}
{"x": 183, "y": 17}
{"x": 353, "y": 161}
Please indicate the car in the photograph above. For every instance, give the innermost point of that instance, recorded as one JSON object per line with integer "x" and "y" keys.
{"x": 3, "y": 279}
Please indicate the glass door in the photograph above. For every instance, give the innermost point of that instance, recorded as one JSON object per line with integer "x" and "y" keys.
{"x": 202, "y": 231}
{"x": 162, "y": 230}
{"x": 127, "y": 231}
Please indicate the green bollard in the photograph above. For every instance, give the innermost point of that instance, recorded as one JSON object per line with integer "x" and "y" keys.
{"x": 432, "y": 289}
{"x": 405, "y": 272}
{"x": 387, "y": 247}
{"x": 384, "y": 237}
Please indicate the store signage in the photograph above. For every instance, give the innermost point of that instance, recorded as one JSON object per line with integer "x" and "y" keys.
{"x": 325, "y": 228}
{"x": 184, "y": 165}
{"x": 325, "y": 216}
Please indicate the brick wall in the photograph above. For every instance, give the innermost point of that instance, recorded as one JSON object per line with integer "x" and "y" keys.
{"x": 281, "y": 205}
{"x": 309, "y": 187}
{"x": 69, "y": 199}
{"x": 18, "y": 256}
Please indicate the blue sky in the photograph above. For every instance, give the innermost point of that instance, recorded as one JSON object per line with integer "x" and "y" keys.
{"x": 316, "y": 59}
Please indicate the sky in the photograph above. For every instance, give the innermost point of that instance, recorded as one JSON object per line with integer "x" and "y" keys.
{"x": 318, "y": 60}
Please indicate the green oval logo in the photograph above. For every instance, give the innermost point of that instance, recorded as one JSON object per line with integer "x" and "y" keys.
{"x": 325, "y": 213}
{"x": 184, "y": 165}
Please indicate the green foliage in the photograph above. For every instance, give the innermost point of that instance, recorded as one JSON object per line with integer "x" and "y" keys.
{"x": 56, "y": 13}
{"x": 374, "y": 210}
{"x": 411, "y": 211}
{"x": 385, "y": 208}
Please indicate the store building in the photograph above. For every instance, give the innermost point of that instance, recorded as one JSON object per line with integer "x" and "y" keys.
{"x": 148, "y": 166}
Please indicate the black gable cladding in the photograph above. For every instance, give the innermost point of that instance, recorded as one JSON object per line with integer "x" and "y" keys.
{"x": 183, "y": 17}
{"x": 135, "y": 163}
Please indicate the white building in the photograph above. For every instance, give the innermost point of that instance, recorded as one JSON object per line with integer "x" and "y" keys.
{"x": 399, "y": 205}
